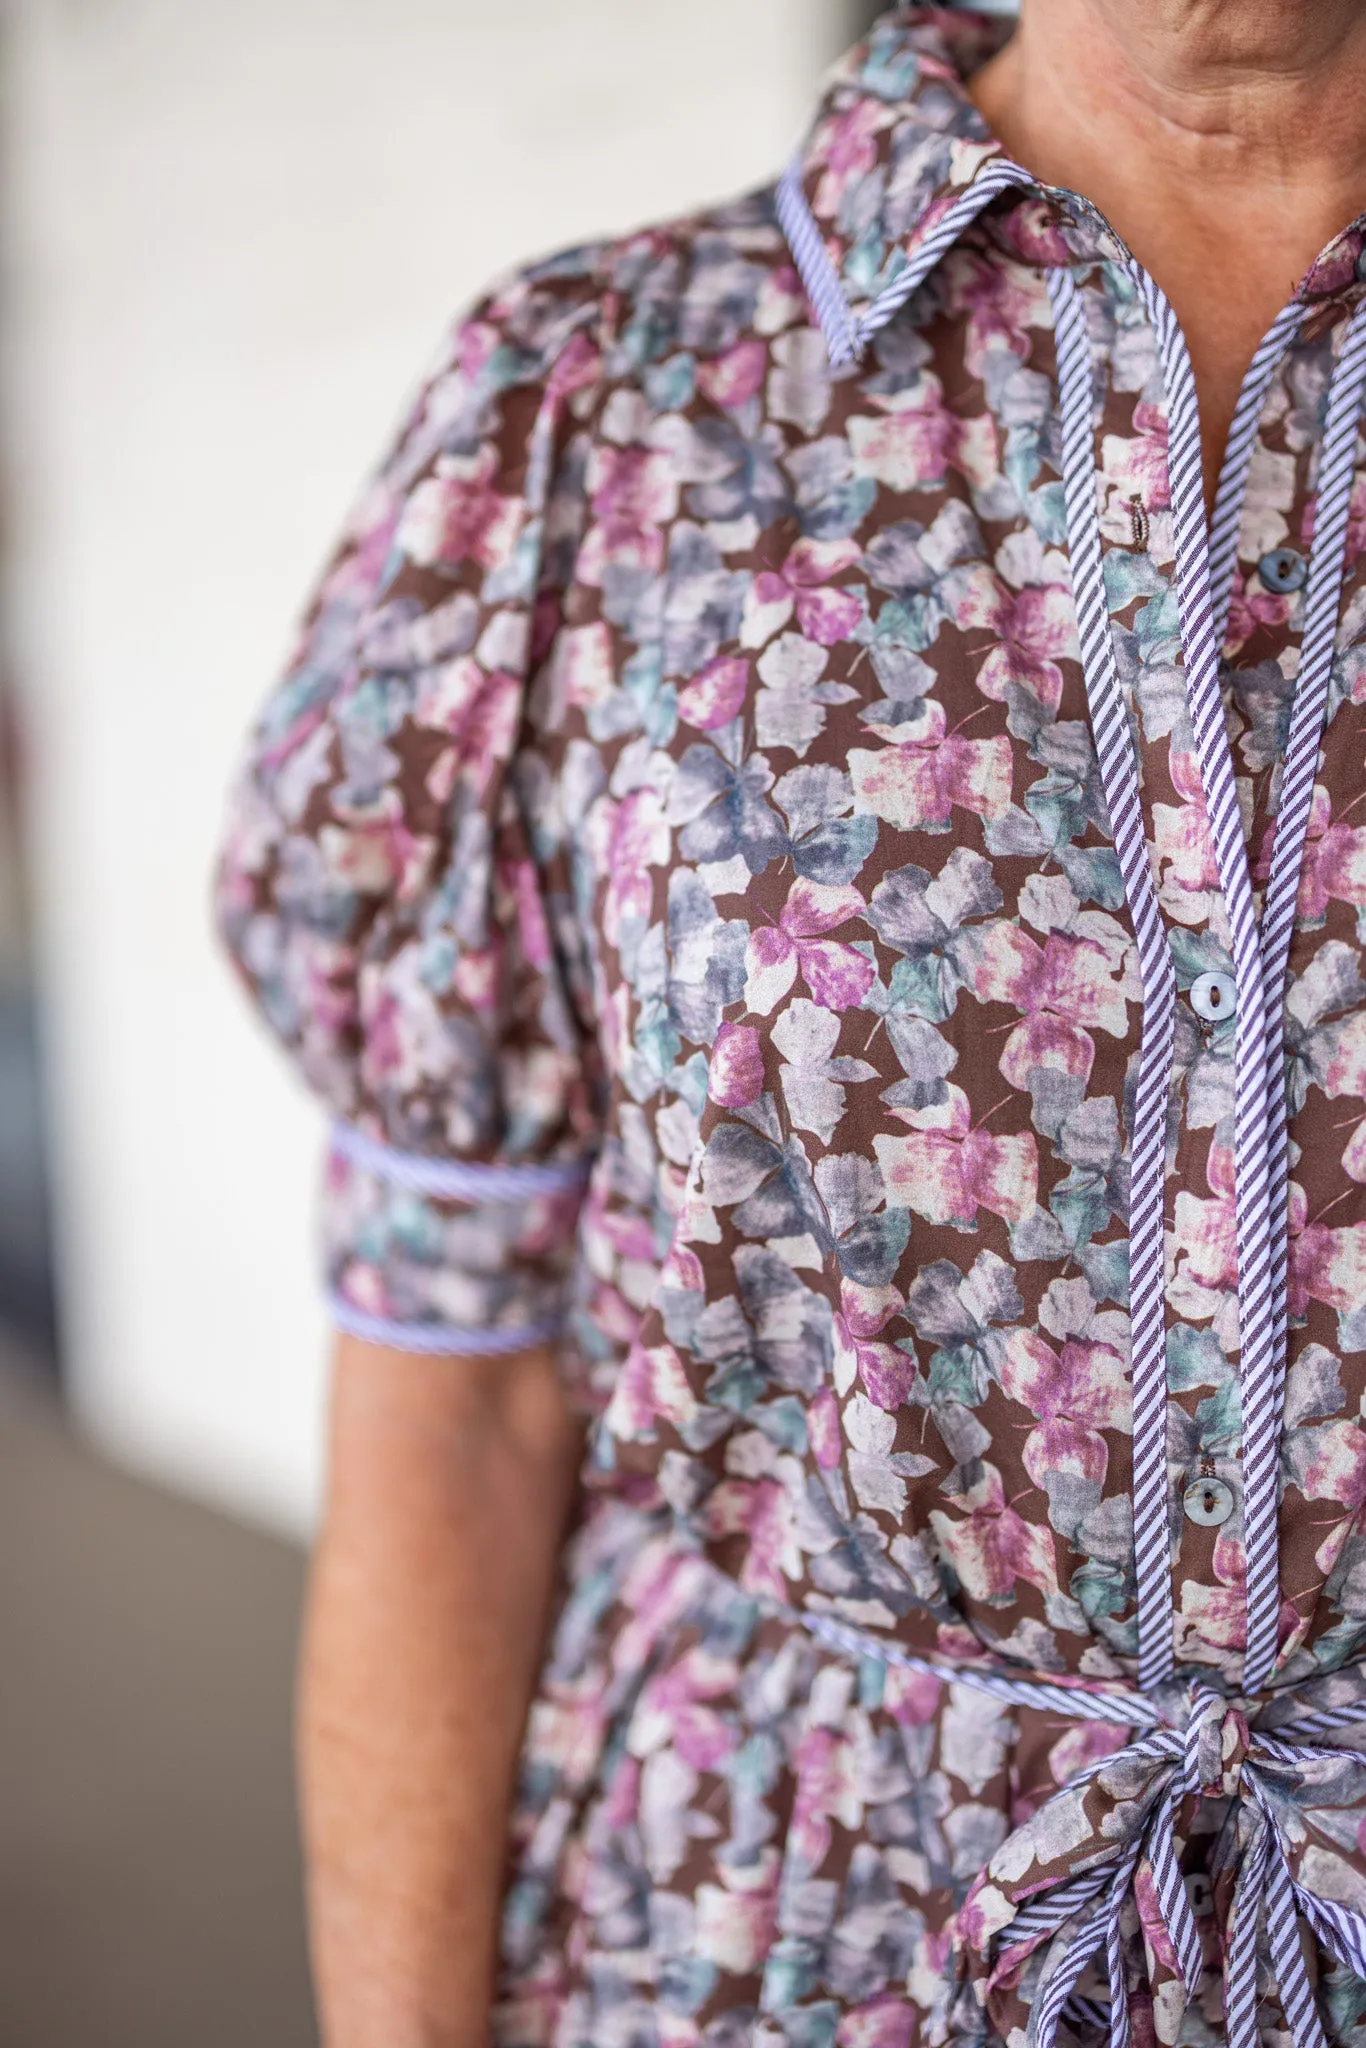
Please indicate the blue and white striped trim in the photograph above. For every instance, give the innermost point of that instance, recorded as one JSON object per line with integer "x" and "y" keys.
{"x": 1204, "y": 696}
{"x": 1118, "y": 763}
{"x": 453, "y": 1179}
{"x": 1226, "y": 518}
{"x": 1323, "y": 599}
{"x": 1259, "y": 964}
{"x": 438, "y": 1340}
{"x": 847, "y": 335}
{"x": 816, "y": 271}
{"x": 1119, "y": 1709}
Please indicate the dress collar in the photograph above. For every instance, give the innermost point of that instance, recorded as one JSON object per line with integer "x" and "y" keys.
{"x": 898, "y": 163}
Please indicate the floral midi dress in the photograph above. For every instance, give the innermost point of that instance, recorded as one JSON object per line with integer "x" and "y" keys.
{"x": 813, "y": 877}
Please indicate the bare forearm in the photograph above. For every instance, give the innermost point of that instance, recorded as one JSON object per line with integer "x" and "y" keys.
{"x": 450, "y": 1485}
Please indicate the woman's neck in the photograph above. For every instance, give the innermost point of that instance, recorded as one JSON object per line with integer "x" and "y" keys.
{"x": 1223, "y": 139}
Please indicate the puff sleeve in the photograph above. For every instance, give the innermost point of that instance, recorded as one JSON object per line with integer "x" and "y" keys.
{"x": 394, "y": 887}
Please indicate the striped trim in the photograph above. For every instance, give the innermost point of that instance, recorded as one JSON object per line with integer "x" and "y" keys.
{"x": 994, "y": 178}
{"x": 1287, "y": 1952}
{"x": 1120, "y": 1710}
{"x": 1318, "y": 1721}
{"x": 1323, "y": 598}
{"x": 438, "y": 1340}
{"x": 1205, "y": 699}
{"x": 1240, "y": 1978}
{"x": 846, "y": 334}
{"x": 1337, "y": 1927}
{"x": 1227, "y": 517}
{"x": 454, "y": 1179}
{"x": 816, "y": 271}
{"x": 1170, "y": 1884}
{"x": 1148, "y": 1137}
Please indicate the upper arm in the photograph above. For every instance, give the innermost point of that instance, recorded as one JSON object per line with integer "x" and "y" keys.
{"x": 406, "y": 1429}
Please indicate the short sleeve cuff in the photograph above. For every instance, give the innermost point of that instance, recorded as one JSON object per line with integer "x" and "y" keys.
{"x": 447, "y": 1256}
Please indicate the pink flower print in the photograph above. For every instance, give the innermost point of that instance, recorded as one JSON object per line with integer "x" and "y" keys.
{"x": 825, "y": 615}
{"x": 1330, "y": 1460}
{"x": 1184, "y": 843}
{"x": 1031, "y": 229}
{"x": 885, "y": 2022}
{"x": 1334, "y": 866}
{"x": 1326, "y": 1264}
{"x": 823, "y": 1429}
{"x": 735, "y": 1075}
{"x": 1346, "y": 1070}
{"x": 1214, "y": 1617}
{"x": 619, "y": 1809}
{"x": 455, "y": 515}
{"x": 759, "y": 1511}
{"x": 1137, "y": 463}
{"x": 653, "y": 1387}
{"x": 1335, "y": 1466}
{"x": 946, "y": 1169}
{"x": 912, "y": 1698}
{"x": 837, "y": 976}
{"x": 1354, "y": 1155}
{"x": 887, "y": 1373}
{"x": 1084, "y": 1744}
{"x": 992, "y": 1546}
{"x": 915, "y": 784}
{"x": 1336, "y": 268}
{"x": 577, "y": 365}
{"x": 1151, "y": 1918}
{"x": 477, "y": 342}
{"x": 378, "y": 853}
{"x": 1248, "y": 612}
{"x": 522, "y": 883}
{"x": 716, "y": 693}
{"x": 682, "y": 1269}
{"x": 1206, "y": 1230}
{"x": 817, "y": 1796}
{"x": 1356, "y": 525}
{"x": 584, "y": 670}
{"x": 1035, "y": 629}
{"x": 637, "y": 840}
{"x": 917, "y": 444}
{"x": 1075, "y": 1397}
{"x": 735, "y": 1929}
{"x": 735, "y": 377}
{"x": 634, "y": 495}
{"x": 1065, "y": 989}
{"x": 1000, "y": 307}
{"x": 848, "y": 147}
{"x": 673, "y": 1713}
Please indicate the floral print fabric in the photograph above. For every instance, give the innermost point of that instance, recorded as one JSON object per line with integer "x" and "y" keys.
{"x": 684, "y": 793}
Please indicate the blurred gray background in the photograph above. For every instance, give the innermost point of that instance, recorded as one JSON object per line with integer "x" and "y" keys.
{"x": 229, "y": 239}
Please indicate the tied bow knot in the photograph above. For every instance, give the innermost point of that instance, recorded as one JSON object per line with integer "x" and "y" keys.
{"x": 1094, "y": 1877}
{"x": 1216, "y": 1740}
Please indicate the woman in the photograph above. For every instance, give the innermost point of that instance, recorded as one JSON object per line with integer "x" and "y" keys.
{"x": 826, "y": 970}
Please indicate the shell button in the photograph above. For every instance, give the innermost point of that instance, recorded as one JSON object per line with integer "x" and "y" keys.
{"x": 1208, "y": 1502}
{"x": 1214, "y": 997}
{"x": 1283, "y": 570}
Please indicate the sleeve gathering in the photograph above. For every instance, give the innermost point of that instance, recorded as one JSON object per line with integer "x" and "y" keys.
{"x": 394, "y": 888}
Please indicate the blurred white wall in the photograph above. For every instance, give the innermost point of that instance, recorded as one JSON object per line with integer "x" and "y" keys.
{"x": 233, "y": 235}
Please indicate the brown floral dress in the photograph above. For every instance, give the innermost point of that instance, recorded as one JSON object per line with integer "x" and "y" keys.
{"x": 814, "y": 878}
